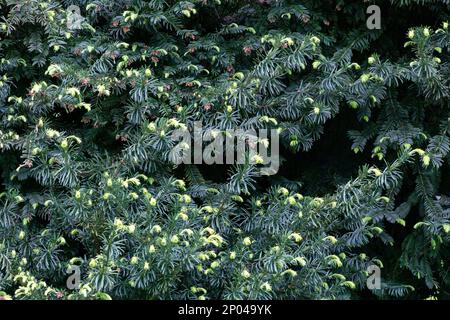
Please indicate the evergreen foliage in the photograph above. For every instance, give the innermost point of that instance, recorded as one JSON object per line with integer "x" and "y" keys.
{"x": 86, "y": 117}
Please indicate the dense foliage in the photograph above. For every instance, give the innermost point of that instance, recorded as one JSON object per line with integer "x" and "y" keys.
{"x": 86, "y": 180}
